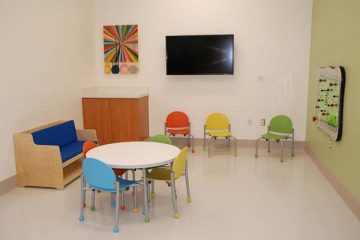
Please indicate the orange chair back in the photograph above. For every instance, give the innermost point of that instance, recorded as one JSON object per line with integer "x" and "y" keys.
{"x": 88, "y": 145}
{"x": 177, "y": 119}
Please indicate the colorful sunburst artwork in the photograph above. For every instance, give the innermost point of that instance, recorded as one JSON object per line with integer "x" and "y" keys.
{"x": 121, "y": 49}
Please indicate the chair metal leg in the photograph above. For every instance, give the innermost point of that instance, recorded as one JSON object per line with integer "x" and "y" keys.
{"x": 145, "y": 211}
{"x": 192, "y": 142}
{"x": 235, "y": 146}
{"x": 122, "y": 196}
{"x": 257, "y": 147}
{"x": 93, "y": 200}
{"x": 133, "y": 178}
{"x": 187, "y": 184}
{"x": 209, "y": 147}
{"x": 152, "y": 188}
{"x": 135, "y": 209}
{"x": 173, "y": 191}
{"x": 82, "y": 198}
{"x": 268, "y": 143}
{"x": 292, "y": 144}
{"x": 116, "y": 227}
{"x": 282, "y": 150}
{"x": 148, "y": 192}
{"x": 84, "y": 192}
{"x": 204, "y": 139}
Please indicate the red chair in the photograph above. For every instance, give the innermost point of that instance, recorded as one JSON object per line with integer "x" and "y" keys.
{"x": 177, "y": 123}
{"x": 88, "y": 145}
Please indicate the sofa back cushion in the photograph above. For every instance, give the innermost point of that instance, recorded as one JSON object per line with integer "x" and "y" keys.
{"x": 60, "y": 135}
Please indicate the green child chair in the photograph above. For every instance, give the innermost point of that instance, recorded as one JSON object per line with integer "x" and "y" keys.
{"x": 160, "y": 139}
{"x": 279, "y": 130}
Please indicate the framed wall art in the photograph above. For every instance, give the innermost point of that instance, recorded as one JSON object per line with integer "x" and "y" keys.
{"x": 121, "y": 54}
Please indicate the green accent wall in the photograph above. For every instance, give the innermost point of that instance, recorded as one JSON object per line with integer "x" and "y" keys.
{"x": 335, "y": 40}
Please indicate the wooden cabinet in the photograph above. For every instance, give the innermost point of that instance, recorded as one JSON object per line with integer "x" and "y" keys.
{"x": 117, "y": 119}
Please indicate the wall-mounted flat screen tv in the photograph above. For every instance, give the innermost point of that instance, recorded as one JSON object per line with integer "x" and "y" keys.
{"x": 200, "y": 55}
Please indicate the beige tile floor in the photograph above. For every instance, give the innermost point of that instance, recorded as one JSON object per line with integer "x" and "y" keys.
{"x": 233, "y": 198}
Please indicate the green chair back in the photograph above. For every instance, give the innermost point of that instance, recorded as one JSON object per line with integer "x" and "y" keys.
{"x": 281, "y": 124}
{"x": 160, "y": 139}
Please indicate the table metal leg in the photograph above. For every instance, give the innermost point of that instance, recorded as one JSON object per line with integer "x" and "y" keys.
{"x": 145, "y": 211}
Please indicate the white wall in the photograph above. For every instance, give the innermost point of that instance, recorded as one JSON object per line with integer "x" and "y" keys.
{"x": 272, "y": 38}
{"x": 46, "y": 57}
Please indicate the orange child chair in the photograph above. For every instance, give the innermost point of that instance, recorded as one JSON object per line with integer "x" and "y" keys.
{"x": 177, "y": 123}
{"x": 88, "y": 145}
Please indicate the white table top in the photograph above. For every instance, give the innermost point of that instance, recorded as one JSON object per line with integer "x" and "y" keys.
{"x": 128, "y": 155}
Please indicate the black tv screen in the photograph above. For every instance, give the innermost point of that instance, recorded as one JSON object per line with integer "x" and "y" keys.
{"x": 200, "y": 55}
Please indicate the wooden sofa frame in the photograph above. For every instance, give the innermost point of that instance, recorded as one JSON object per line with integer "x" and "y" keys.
{"x": 41, "y": 165}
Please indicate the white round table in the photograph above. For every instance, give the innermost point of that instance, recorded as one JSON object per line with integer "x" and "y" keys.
{"x": 135, "y": 155}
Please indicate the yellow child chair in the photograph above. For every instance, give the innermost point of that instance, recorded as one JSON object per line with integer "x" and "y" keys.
{"x": 218, "y": 125}
{"x": 170, "y": 174}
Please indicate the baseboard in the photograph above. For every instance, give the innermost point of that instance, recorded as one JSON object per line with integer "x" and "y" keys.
{"x": 347, "y": 197}
{"x": 7, "y": 185}
{"x": 180, "y": 141}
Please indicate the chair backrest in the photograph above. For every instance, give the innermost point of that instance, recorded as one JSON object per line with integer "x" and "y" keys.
{"x": 160, "y": 138}
{"x": 177, "y": 119}
{"x": 179, "y": 164}
{"x": 98, "y": 174}
{"x": 217, "y": 121}
{"x": 281, "y": 124}
{"x": 88, "y": 145}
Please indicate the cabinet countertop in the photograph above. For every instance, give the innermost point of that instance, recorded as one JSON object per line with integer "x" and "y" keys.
{"x": 115, "y": 92}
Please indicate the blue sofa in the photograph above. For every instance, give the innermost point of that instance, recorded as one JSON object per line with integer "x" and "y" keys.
{"x": 62, "y": 135}
{"x": 50, "y": 155}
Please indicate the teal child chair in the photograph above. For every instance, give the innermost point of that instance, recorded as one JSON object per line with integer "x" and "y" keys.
{"x": 279, "y": 130}
{"x": 97, "y": 175}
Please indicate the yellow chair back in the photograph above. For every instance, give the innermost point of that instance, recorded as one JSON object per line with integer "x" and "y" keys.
{"x": 217, "y": 121}
{"x": 179, "y": 164}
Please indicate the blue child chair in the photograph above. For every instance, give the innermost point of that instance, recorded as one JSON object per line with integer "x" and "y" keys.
{"x": 97, "y": 175}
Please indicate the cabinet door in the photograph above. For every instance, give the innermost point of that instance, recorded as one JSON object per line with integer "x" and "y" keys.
{"x": 97, "y": 114}
{"x": 125, "y": 119}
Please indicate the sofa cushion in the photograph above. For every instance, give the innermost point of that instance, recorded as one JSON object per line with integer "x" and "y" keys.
{"x": 61, "y": 135}
{"x": 71, "y": 150}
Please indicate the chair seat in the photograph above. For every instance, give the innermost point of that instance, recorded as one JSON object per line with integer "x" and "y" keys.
{"x": 272, "y": 136}
{"x": 163, "y": 174}
{"x": 220, "y": 134}
{"x": 124, "y": 183}
{"x": 179, "y": 131}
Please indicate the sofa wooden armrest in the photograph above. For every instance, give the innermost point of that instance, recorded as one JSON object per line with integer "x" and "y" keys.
{"x": 86, "y": 134}
{"x": 41, "y": 165}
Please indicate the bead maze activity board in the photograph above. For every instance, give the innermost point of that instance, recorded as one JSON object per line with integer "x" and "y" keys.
{"x": 329, "y": 101}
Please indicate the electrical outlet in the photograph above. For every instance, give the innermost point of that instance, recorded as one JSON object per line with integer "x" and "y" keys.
{"x": 262, "y": 122}
{"x": 260, "y": 78}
